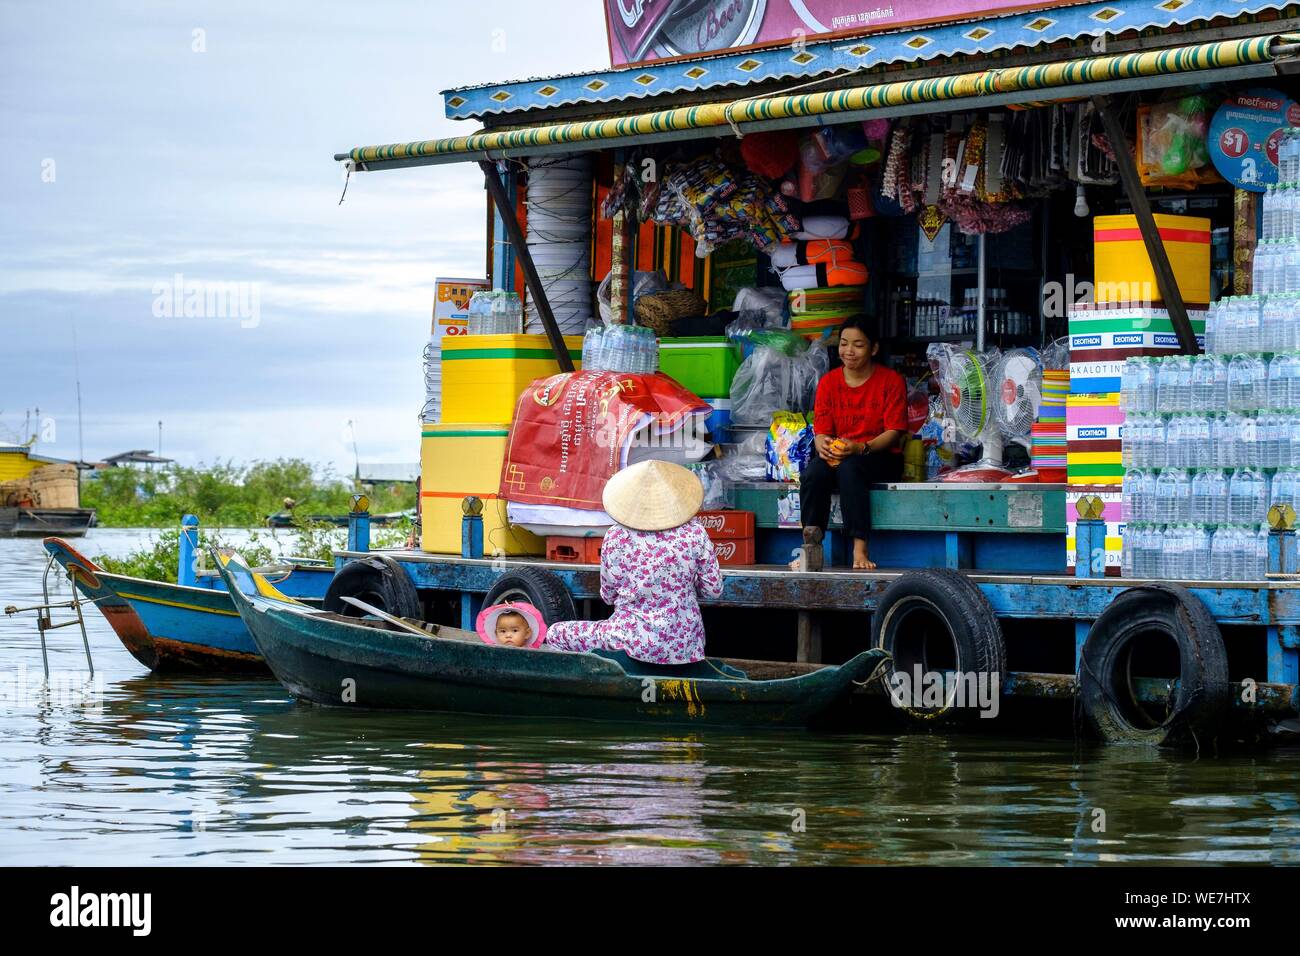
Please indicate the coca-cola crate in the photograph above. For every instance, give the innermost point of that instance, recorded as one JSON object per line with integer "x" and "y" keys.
{"x": 734, "y": 551}
{"x": 722, "y": 525}
{"x": 574, "y": 550}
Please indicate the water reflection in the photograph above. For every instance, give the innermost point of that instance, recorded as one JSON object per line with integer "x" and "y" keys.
{"x": 170, "y": 770}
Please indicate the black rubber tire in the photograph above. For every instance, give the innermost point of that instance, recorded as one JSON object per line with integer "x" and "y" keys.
{"x": 542, "y": 589}
{"x": 921, "y": 611}
{"x": 1202, "y": 703}
{"x": 379, "y": 581}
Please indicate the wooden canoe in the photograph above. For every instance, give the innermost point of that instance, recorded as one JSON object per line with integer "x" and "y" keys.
{"x": 334, "y": 660}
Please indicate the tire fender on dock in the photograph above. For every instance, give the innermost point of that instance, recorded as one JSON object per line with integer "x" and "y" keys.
{"x": 542, "y": 589}
{"x": 1119, "y": 649}
{"x": 379, "y": 581}
{"x": 935, "y": 623}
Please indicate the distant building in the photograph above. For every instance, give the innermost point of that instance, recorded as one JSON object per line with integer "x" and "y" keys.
{"x": 17, "y": 461}
{"x": 141, "y": 456}
{"x": 387, "y": 473}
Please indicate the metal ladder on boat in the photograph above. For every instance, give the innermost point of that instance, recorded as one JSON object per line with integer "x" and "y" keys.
{"x": 45, "y": 619}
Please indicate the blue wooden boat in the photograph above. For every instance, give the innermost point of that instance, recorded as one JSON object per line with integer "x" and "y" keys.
{"x": 327, "y": 658}
{"x": 180, "y": 627}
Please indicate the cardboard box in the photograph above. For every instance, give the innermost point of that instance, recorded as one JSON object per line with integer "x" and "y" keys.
{"x": 451, "y": 305}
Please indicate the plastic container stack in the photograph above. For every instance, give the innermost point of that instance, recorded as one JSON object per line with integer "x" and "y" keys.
{"x": 559, "y": 240}
{"x": 495, "y": 313}
{"x": 630, "y": 349}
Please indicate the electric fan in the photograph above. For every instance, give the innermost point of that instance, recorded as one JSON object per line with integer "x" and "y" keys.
{"x": 1019, "y": 379}
{"x": 967, "y": 382}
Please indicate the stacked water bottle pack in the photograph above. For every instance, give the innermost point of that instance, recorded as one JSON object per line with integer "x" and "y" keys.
{"x": 495, "y": 313}
{"x": 630, "y": 349}
{"x": 1277, "y": 254}
{"x": 1210, "y": 442}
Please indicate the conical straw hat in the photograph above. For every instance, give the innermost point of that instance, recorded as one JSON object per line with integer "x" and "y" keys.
{"x": 653, "y": 496}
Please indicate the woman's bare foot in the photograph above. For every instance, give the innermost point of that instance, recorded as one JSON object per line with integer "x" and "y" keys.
{"x": 861, "y": 560}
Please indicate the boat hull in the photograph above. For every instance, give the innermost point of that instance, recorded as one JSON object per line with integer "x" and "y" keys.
{"x": 44, "y": 522}
{"x": 325, "y": 661}
{"x": 169, "y": 627}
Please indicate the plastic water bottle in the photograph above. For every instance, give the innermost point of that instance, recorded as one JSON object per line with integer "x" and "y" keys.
{"x": 1200, "y": 553}
{"x": 1201, "y": 504}
{"x": 1284, "y": 488}
{"x": 1261, "y": 279}
{"x": 1248, "y": 332}
{"x": 1288, "y": 443}
{"x": 1247, "y": 497}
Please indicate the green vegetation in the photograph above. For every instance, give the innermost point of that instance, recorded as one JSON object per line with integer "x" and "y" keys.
{"x": 225, "y": 495}
{"x": 234, "y": 496}
{"x": 157, "y": 561}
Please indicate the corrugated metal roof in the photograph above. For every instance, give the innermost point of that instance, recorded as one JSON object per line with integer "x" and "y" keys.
{"x": 819, "y": 59}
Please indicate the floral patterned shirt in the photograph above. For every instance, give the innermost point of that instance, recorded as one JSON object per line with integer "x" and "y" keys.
{"x": 652, "y": 579}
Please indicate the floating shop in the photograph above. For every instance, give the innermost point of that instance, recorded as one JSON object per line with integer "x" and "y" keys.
{"x": 1077, "y": 230}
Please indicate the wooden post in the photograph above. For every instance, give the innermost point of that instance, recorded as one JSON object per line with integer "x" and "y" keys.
{"x": 1137, "y": 197}
{"x": 516, "y": 236}
{"x": 620, "y": 271}
{"x": 809, "y": 646}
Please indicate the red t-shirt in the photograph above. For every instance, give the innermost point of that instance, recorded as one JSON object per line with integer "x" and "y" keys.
{"x": 877, "y": 405}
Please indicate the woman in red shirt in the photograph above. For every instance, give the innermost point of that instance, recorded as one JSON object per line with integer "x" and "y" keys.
{"x": 859, "y": 422}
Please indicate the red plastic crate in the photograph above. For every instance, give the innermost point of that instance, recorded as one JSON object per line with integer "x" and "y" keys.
{"x": 722, "y": 525}
{"x": 733, "y": 551}
{"x": 574, "y": 550}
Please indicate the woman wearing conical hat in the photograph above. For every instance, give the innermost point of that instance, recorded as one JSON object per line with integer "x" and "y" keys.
{"x": 654, "y": 564}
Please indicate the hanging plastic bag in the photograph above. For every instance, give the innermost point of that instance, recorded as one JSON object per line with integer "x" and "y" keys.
{"x": 780, "y": 375}
{"x": 789, "y": 446}
{"x": 1172, "y": 143}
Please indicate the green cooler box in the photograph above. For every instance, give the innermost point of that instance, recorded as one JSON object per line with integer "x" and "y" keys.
{"x": 703, "y": 364}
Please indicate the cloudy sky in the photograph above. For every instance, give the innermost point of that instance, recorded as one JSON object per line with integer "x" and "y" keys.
{"x": 137, "y": 149}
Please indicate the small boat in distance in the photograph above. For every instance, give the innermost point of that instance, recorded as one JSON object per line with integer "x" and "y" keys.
{"x": 40, "y": 496}
{"x": 388, "y": 663}
{"x": 44, "y": 522}
{"x": 287, "y": 519}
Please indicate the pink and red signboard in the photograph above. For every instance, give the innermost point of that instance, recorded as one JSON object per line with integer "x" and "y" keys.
{"x": 641, "y": 31}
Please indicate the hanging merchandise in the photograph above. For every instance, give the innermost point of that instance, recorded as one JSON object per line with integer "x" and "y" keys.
{"x": 771, "y": 154}
{"x": 1172, "y": 143}
{"x": 559, "y": 240}
{"x": 1094, "y": 162}
{"x": 716, "y": 203}
{"x": 817, "y": 312}
{"x": 966, "y": 198}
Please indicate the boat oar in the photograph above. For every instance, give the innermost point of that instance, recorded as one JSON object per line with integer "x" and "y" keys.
{"x": 385, "y": 616}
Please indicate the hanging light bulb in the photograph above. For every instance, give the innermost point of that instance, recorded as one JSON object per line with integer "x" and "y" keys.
{"x": 1080, "y": 202}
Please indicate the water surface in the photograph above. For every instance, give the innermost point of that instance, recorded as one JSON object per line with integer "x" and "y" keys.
{"x": 174, "y": 770}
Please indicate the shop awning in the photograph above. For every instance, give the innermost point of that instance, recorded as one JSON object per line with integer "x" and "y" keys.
{"x": 726, "y": 72}
{"x": 1222, "y": 61}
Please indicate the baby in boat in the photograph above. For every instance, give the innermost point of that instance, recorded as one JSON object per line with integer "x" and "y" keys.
{"x": 511, "y": 625}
